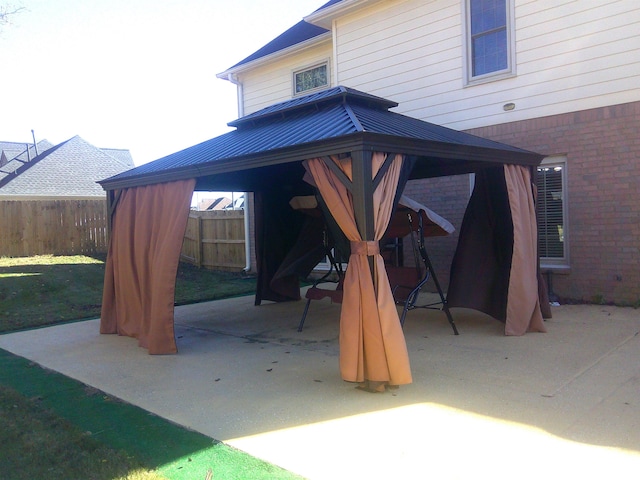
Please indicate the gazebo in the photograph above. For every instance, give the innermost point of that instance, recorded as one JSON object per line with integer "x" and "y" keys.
{"x": 349, "y": 149}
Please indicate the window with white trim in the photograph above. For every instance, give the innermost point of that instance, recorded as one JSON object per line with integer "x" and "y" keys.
{"x": 490, "y": 42}
{"x": 312, "y": 78}
{"x": 551, "y": 210}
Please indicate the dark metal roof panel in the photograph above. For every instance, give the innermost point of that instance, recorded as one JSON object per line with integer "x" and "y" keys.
{"x": 294, "y": 130}
{"x": 391, "y": 123}
{"x": 287, "y": 131}
{"x": 315, "y": 100}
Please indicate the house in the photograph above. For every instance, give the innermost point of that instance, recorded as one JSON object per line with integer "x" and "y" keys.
{"x": 68, "y": 170}
{"x": 50, "y": 202}
{"x": 558, "y": 78}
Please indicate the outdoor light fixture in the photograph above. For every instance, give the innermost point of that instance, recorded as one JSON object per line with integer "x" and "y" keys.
{"x": 508, "y": 107}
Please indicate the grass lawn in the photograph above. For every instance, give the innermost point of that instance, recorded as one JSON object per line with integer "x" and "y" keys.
{"x": 44, "y": 290}
{"x": 54, "y": 427}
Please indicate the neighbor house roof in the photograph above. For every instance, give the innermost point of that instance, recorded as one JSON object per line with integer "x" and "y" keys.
{"x": 214, "y": 203}
{"x": 15, "y": 155}
{"x": 23, "y": 151}
{"x": 121, "y": 154}
{"x": 69, "y": 169}
{"x": 336, "y": 120}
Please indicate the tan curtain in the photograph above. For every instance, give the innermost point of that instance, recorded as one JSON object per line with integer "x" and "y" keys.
{"x": 372, "y": 344}
{"x": 147, "y": 231}
{"x": 523, "y": 304}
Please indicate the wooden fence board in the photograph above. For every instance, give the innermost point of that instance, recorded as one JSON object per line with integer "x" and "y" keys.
{"x": 53, "y": 227}
{"x": 57, "y": 227}
{"x": 215, "y": 240}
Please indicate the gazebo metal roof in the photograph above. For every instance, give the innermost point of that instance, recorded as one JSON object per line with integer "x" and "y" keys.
{"x": 271, "y": 143}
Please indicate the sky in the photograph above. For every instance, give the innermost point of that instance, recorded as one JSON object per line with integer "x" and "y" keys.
{"x": 131, "y": 74}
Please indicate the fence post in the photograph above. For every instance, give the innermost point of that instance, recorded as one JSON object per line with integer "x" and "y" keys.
{"x": 198, "y": 249}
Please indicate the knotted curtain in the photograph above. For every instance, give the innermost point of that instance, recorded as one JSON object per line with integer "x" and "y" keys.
{"x": 372, "y": 344}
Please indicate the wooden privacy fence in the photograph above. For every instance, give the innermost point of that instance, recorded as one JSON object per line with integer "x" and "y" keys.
{"x": 215, "y": 240}
{"x": 56, "y": 227}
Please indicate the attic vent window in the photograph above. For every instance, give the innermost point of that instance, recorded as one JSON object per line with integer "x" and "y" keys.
{"x": 310, "y": 79}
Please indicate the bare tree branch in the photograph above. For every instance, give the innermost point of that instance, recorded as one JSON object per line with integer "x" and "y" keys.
{"x": 6, "y": 12}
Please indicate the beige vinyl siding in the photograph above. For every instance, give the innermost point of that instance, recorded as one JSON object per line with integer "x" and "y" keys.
{"x": 264, "y": 86}
{"x": 387, "y": 52}
{"x": 272, "y": 83}
{"x": 570, "y": 56}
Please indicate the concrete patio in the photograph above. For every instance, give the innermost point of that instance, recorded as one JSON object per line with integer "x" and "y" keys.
{"x": 482, "y": 405}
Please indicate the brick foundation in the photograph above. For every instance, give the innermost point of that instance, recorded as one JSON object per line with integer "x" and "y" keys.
{"x": 448, "y": 197}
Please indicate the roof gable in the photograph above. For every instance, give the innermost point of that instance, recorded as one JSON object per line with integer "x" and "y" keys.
{"x": 300, "y": 32}
{"x": 313, "y": 26}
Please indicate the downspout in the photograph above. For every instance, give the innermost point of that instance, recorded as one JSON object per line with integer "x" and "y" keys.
{"x": 247, "y": 238}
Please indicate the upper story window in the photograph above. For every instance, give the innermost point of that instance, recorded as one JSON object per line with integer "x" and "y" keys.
{"x": 551, "y": 210}
{"x": 310, "y": 79}
{"x": 490, "y": 39}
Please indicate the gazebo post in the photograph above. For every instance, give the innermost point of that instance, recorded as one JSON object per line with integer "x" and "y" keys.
{"x": 112, "y": 200}
{"x": 362, "y": 191}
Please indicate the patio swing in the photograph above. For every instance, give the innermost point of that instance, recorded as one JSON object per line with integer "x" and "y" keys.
{"x": 335, "y": 274}
{"x": 417, "y": 222}
{"x": 410, "y": 219}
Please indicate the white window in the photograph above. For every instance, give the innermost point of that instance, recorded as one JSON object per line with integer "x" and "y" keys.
{"x": 312, "y": 78}
{"x": 490, "y": 39}
{"x": 551, "y": 210}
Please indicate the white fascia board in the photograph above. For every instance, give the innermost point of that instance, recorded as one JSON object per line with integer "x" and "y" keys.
{"x": 325, "y": 17}
{"x": 280, "y": 54}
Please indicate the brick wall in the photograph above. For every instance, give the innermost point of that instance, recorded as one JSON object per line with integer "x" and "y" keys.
{"x": 602, "y": 147}
{"x": 448, "y": 197}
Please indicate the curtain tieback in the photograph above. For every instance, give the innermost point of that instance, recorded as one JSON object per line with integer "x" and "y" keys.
{"x": 368, "y": 249}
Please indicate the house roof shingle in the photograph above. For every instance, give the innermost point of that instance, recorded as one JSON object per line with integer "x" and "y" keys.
{"x": 70, "y": 168}
{"x": 300, "y": 32}
{"x": 23, "y": 151}
{"x": 120, "y": 154}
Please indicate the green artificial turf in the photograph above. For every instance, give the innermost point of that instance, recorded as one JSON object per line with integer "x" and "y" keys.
{"x": 36, "y": 443}
{"x": 173, "y": 451}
